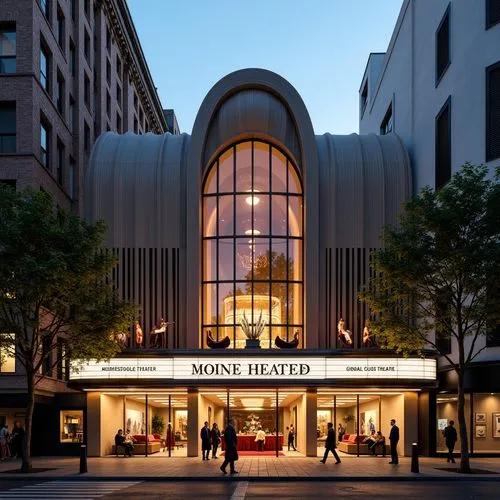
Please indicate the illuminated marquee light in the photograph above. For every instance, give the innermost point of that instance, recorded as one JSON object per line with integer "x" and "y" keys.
{"x": 295, "y": 368}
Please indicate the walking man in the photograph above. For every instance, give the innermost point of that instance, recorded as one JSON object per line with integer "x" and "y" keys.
{"x": 394, "y": 439}
{"x": 330, "y": 445}
{"x": 450, "y": 437}
{"x": 231, "y": 455}
{"x": 205, "y": 441}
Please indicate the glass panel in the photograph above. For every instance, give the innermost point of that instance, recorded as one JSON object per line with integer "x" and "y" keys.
{"x": 226, "y": 303}
{"x": 279, "y": 296}
{"x": 277, "y": 331}
{"x": 226, "y": 259}
{"x": 226, "y": 215}
{"x": 210, "y": 215}
{"x": 226, "y": 172}
{"x": 244, "y": 167}
{"x": 278, "y": 265}
{"x": 295, "y": 216}
{"x": 7, "y": 353}
{"x": 211, "y": 180}
{"x": 293, "y": 180}
{"x": 261, "y": 259}
{"x": 446, "y": 411}
{"x": 261, "y": 167}
{"x": 484, "y": 406}
{"x": 260, "y": 214}
{"x": 294, "y": 304}
{"x": 295, "y": 330}
{"x": 213, "y": 331}
{"x": 261, "y": 302}
{"x": 244, "y": 258}
{"x": 244, "y": 215}
{"x": 279, "y": 215}
{"x": 278, "y": 180}
{"x": 8, "y": 42}
{"x": 71, "y": 426}
{"x": 210, "y": 260}
{"x": 295, "y": 260}
{"x": 210, "y": 304}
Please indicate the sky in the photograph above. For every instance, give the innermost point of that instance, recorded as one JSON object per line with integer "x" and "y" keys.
{"x": 320, "y": 46}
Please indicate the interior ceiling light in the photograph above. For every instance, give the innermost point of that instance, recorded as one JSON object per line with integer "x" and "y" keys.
{"x": 252, "y": 402}
{"x": 252, "y": 200}
{"x": 252, "y": 231}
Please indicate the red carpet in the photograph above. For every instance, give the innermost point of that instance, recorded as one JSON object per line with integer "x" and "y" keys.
{"x": 258, "y": 453}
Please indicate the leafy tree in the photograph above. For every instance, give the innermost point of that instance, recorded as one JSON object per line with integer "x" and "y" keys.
{"x": 55, "y": 283}
{"x": 434, "y": 278}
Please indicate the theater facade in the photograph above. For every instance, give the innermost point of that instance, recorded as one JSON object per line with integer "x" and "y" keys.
{"x": 245, "y": 244}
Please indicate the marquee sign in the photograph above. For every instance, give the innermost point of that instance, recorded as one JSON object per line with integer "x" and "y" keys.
{"x": 254, "y": 369}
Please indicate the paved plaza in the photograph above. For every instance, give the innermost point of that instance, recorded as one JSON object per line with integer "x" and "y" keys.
{"x": 249, "y": 467}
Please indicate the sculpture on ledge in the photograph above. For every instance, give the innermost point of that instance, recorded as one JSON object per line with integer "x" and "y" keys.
{"x": 253, "y": 333}
{"x": 217, "y": 344}
{"x": 285, "y": 344}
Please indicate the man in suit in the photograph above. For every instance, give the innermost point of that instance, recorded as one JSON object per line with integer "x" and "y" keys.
{"x": 394, "y": 439}
{"x": 330, "y": 445}
{"x": 205, "y": 441}
{"x": 450, "y": 438}
{"x": 231, "y": 454}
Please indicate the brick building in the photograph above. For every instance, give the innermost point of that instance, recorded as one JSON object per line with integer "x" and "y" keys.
{"x": 69, "y": 71}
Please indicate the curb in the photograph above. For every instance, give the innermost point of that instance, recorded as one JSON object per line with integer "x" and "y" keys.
{"x": 266, "y": 479}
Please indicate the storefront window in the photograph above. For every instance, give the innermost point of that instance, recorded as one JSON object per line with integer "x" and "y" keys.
{"x": 71, "y": 426}
{"x": 446, "y": 411}
{"x": 252, "y": 246}
{"x": 7, "y": 353}
{"x": 486, "y": 423}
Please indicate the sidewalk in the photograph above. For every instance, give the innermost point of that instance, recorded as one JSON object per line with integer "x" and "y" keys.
{"x": 250, "y": 468}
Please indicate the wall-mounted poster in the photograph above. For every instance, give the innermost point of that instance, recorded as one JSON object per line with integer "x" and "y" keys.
{"x": 481, "y": 431}
{"x": 496, "y": 424}
{"x": 480, "y": 418}
{"x": 442, "y": 423}
{"x": 135, "y": 421}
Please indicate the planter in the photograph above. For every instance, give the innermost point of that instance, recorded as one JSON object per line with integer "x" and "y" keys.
{"x": 252, "y": 344}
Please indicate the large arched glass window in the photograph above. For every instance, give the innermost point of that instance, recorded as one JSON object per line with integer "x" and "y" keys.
{"x": 252, "y": 245}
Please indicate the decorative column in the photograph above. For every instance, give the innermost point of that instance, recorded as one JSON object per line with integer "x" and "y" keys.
{"x": 311, "y": 422}
{"x": 193, "y": 446}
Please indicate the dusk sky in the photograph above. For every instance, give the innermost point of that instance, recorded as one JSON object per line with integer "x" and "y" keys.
{"x": 319, "y": 46}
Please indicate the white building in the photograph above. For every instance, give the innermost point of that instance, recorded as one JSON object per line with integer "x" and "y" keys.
{"x": 438, "y": 88}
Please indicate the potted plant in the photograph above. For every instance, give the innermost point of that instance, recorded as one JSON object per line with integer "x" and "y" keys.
{"x": 252, "y": 332}
{"x": 158, "y": 424}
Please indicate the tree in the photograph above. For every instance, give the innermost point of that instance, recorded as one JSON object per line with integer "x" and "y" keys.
{"x": 433, "y": 280}
{"x": 55, "y": 286}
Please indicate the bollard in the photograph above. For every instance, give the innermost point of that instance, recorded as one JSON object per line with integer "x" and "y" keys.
{"x": 83, "y": 459}
{"x": 414, "y": 458}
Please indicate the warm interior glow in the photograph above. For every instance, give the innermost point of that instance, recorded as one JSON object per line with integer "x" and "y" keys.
{"x": 255, "y": 232}
{"x": 252, "y": 402}
{"x": 252, "y": 200}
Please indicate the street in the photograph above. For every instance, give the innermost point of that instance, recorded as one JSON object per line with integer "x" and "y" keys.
{"x": 239, "y": 490}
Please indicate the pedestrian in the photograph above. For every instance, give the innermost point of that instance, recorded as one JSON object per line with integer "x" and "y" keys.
{"x": 205, "y": 441}
{"x": 121, "y": 440}
{"x": 260, "y": 438}
{"x": 450, "y": 438}
{"x": 394, "y": 439}
{"x": 215, "y": 437}
{"x": 231, "y": 455}
{"x": 17, "y": 438}
{"x": 291, "y": 437}
{"x": 330, "y": 445}
{"x": 4, "y": 442}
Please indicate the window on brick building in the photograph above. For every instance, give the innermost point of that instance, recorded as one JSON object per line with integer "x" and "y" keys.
{"x": 45, "y": 144}
{"x": 7, "y": 127}
{"x": 108, "y": 72}
{"x": 136, "y": 101}
{"x": 108, "y": 39}
{"x": 118, "y": 67}
{"x": 7, "y": 47}
{"x": 60, "y": 27}
{"x": 118, "y": 123}
{"x": 86, "y": 46}
{"x": 71, "y": 177}
{"x": 119, "y": 95}
{"x": 108, "y": 104}
{"x": 386, "y": 127}
{"x": 60, "y": 162}
{"x": 492, "y": 13}
{"x": 72, "y": 58}
{"x": 86, "y": 8}
{"x": 493, "y": 112}
{"x": 443, "y": 46}
{"x": 45, "y": 68}
{"x": 443, "y": 145}
{"x": 60, "y": 88}
{"x": 86, "y": 138}
{"x": 8, "y": 354}
{"x": 45, "y": 6}
{"x": 71, "y": 113}
{"x": 86, "y": 90}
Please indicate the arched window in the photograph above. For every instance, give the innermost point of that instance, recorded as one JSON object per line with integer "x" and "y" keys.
{"x": 252, "y": 256}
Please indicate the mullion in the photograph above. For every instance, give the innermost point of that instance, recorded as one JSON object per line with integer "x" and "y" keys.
{"x": 234, "y": 246}
{"x": 270, "y": 243}
{"x": 252, "y": 225}
{"x": 287, "y": 247}
{"x": 217, "y": 250}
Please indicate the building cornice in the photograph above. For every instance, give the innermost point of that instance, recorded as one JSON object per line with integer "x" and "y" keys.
{"x": 124, "y": 32}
